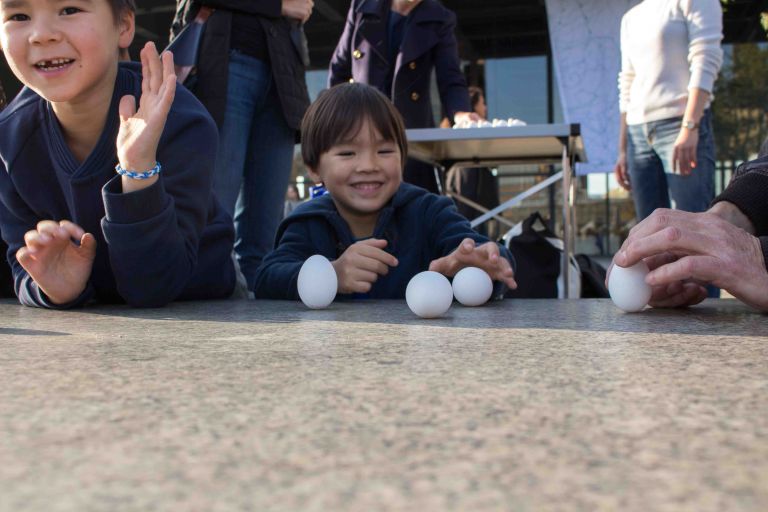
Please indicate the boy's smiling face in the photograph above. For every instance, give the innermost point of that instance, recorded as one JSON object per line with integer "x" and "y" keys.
{"x": 66, "y": 51}
{"x": 362, "y": 175}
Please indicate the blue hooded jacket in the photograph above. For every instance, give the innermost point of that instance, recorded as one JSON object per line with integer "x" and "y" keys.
{"x": 419, "y": 227}
{"x": 169, "y": 241}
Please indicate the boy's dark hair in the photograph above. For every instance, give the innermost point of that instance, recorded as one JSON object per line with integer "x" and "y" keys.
{"x": 337, "y": 115}
{"x": 118, "y": 6}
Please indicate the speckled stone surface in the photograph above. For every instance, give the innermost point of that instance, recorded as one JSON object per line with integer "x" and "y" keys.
{"x": 520, "y": 405}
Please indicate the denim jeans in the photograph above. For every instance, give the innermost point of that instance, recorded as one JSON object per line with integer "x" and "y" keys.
{"x": 654, "y": 185}
{"x": 649, "y": 161}
{"x": 253, "y": 164}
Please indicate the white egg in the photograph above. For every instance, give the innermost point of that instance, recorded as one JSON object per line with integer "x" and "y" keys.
{"x": 317, "y": 282}
{"x": 628, "y": 288}
{"x": 429, "y": 294}
{"x": 472, "y": 286}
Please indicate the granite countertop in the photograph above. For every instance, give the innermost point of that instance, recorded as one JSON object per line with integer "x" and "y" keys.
{"x": 258, "y": 405}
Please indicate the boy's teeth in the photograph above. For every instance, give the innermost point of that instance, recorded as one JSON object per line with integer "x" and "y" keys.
{"x": 54, "y": 63}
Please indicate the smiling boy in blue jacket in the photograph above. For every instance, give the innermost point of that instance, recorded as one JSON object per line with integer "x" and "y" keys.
{"x": 377, "y": 231}
{"x": 79, "y": 227}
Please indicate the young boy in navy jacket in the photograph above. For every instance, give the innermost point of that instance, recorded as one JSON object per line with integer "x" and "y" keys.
{"x": 377, "y": 231}
{"x": 79, "y": 227}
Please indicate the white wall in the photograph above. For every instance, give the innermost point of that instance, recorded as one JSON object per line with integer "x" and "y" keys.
{"x": 585, "y": 48}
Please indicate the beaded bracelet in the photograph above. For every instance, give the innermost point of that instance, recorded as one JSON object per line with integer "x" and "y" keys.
{"x": 139, "y": 175}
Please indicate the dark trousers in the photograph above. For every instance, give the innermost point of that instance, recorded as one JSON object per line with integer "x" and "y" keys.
{"x": 422, "y": 175}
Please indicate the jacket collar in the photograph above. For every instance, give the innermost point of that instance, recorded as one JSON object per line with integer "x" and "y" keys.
{"x": 324, "y": 207}
{"x": 420, "y": 38}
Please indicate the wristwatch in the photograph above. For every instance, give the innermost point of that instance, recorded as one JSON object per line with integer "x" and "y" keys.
{"x": 690, "y": 125}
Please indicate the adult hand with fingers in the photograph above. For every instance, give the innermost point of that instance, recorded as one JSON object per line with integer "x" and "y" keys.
{"x": 59, "y": 258}
{"x": 361, "y": 264}
{"x": 486, "y": 256}
{"x": 297, "y": 9}
{"x": 621, "y": 172}
{"x": 140, "y": 130}
{"x": 685, "y": 250}
{"x": 684, "y": 152}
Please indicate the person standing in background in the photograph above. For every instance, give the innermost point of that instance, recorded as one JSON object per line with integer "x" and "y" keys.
{"x": 670, "y": 58}
{"x": 394, "y": 45}
{"x": 477, "y": 184}
{"x": 292, "y": 199}
{"x": 250, "y": 77}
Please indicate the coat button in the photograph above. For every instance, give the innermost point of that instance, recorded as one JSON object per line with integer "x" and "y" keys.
{"x": 414, "y": 96}
{"x": 357, "y": 54}
{"x": 351, "y": 80}
{"x": 412, "y": 65}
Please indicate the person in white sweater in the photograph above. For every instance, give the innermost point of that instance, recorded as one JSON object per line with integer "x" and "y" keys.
{"x": 670, "y": 58}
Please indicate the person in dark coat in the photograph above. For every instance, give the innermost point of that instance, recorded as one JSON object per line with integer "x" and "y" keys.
{"x": 394, "y": 45}
{"x": 378, "y": 231}
{"x": 250, "y": 77}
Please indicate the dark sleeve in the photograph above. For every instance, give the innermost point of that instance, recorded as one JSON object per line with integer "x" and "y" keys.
{"x": 748, "y": 190}
{"x": 153, "y": 234}
{"x": 451, "y": 83}
{"x": 278, "y": 273}
{"x": 340, "y": 69}
{"x": 16, "y": 218}
{"x": 449, "y": 228}
{"x": 269, "y": 8}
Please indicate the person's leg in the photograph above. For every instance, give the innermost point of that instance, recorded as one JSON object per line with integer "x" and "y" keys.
{"x": 421, "y": 174}
{"x": 268, "y": 168}
{"x": 242, "y": 85}
{"x": 646, "y": 172}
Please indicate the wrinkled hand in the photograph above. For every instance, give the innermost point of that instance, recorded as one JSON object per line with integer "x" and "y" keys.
{"x": 486, "y": 256}
{"x": 60, "y": 267}
{"x": 362, "y": 264}
{"x": 622, "y": 172}
{"x": 140, "y": 130}
{"x": 684, "y": 154}
{"x": 465, "y": 117}
{"x": 297, "y": 9}
{"x": 686, "y": 250}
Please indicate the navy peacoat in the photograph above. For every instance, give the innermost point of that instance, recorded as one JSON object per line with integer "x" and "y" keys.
{"x": 429, "y": 43}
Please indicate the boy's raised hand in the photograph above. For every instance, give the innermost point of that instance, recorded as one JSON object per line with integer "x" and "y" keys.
{"x": 140, "y": 130}
{"x": 362, "y": 264}
{"x": 486, "y": 256}
{"x": 59, "y": 265}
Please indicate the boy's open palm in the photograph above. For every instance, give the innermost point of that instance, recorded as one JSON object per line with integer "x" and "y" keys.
{"x": 58, "y": 265}
{"x": 362, "y": 264}
{"x": 486, "y": 256}
{"x": 140, "y": 130}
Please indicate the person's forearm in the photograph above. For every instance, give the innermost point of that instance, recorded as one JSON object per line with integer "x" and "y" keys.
{"x": 731, "y": 213}
{"x": 623, "y": 133}
{"x": 694, "y": 108}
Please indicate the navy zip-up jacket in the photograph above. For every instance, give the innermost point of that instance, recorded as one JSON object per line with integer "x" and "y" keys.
{"x": 169, "y": 241}
{"x": 419, "y": 227}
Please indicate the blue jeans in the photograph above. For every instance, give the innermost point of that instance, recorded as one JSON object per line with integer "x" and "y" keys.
{"x": 649, "y": 161}
{"x": 253, "y": 164}
{"x": 654, "y": 185}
